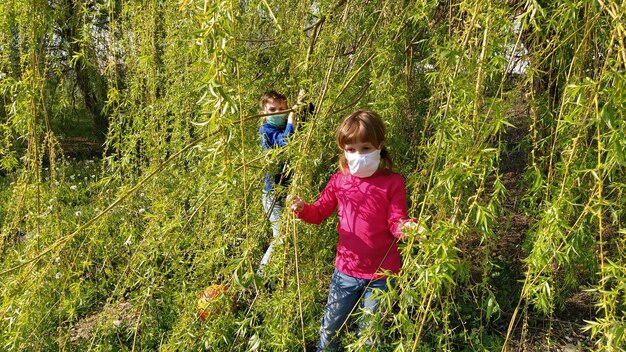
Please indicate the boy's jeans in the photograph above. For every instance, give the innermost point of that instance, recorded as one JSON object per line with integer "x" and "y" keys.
{"x": 345, "y": 292}
{"x": 273, "y": 214}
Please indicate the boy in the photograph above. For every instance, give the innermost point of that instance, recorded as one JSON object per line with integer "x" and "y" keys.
{"x": 274, "y": 133}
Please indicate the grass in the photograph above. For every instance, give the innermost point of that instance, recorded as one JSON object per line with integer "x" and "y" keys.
{"x": 516, "y": 176}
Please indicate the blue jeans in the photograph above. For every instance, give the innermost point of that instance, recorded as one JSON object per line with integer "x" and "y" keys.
{"x": 273, "y": 207}
{"x": 345, "y": 292}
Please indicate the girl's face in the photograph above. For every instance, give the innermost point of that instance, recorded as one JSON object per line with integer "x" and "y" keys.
{"x": 359, "y": 147}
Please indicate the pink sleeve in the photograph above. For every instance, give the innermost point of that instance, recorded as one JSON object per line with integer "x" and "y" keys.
{"x": 396, "y": 216}
{"x": 322, "y": 208}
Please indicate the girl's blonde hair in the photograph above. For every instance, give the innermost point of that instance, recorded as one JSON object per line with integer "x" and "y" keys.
{"x": 363, "y": 126}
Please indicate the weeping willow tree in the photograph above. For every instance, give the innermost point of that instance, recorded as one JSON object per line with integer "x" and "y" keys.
{"x": 494, "y": 110}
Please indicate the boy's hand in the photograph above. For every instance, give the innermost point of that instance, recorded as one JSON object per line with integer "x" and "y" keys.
{"x": 299, "y": 103}
{"x": 300, "y": 96}
{"x": 297, "y": 204}
{"x": 294, "y": 109}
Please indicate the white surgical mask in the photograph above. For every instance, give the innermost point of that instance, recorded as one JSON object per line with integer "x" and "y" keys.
{"x": 363, "y": 165}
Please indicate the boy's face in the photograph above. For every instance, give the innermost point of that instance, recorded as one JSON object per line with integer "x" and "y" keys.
{"x": 273, "y": 105}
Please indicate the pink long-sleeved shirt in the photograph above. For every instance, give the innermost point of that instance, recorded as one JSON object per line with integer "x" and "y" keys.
{"x": 371, "y": 213}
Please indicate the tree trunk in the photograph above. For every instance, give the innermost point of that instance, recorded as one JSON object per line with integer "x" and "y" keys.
{"x": 92, "y": 85}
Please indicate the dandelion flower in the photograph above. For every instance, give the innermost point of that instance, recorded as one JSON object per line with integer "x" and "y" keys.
{"x": 78, "y": 213}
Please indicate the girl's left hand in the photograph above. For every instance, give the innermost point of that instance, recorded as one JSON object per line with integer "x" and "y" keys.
{"x": 412, "y": 227}
{"x": 297, "y": 204}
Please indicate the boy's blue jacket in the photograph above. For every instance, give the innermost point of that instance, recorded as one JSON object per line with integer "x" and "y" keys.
{"x": 275, "y": 137}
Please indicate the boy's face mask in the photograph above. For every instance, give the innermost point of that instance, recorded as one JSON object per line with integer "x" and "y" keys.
{"x": 363, "y": 165}
{"x": 277, "y": 120}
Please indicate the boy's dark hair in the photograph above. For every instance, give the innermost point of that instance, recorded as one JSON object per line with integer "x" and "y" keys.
{"x": 270, "y": 95}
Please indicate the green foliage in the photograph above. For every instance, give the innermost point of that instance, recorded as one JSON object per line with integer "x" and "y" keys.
{"x": 112, "y": 253}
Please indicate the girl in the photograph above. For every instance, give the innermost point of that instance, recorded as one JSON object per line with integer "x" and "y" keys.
{"x": 371, "y": 202}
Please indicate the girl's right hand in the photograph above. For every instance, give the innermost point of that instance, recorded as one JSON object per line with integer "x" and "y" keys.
{"x": 296, "y": 204}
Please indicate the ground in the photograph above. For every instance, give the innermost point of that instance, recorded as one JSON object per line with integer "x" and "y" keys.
{"x": 564, "y": 331}
{"x": 561, "y": 333}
